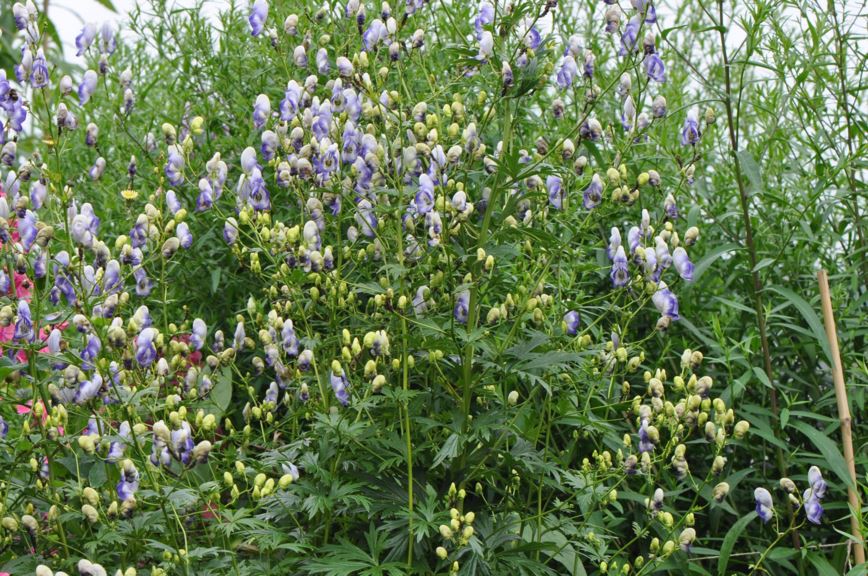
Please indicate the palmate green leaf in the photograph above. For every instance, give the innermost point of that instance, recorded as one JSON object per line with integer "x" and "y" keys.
{"x": 347, "y": 559}
{"x": 448, "y": 450}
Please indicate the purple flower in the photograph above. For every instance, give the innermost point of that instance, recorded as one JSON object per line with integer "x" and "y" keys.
{"x": 588, "y": 68}
{"x": 117, "y": 447}
{"x": 532, "y": 39}
{"x": 258, "y": 16}
{"x": 340, "y": 386}
{"x": 593, "y": 194}
{"x": 462, "y": 307}
{"x": 366, "y": 218}
{"x": 143, "y": 283}
{"x": 690, "y": 133}
{"x": 670, "y": 207}
{"x": 619, "y": 274}
{"x": 20, "y": 14}
{"x": 90, "y": 352}
{"x": 375, "y": 34}
{"x": 554, "y": 186}
{"x": 85, "y": 38}
{"x": 24, "y": 323}
{"x": 813, "y": 508}
{"x": 269, "y": 145}
{"x": 567, "y": 72}
{"x": 483, "y": 18}
{"x": 259, "y": 198}
{"x": 289, "y": 104}
{"x": 629, "y": 37}
{"x": 172, "y": 202}
{"x": 486, "y": 46}
{"x": 198, "y": 334}
{"x": 646, "y": 444}
{"x": 322, "y": 61}
{"x": 129, "y": 482}
{"x": 87, "y": 86}
{"x": 425, "y": 196}
{"x": 97, "y": 169}
{"x": 4, "y": 428}
{"x": 815, "y": 479}
{"x": 107, "y": 34}
{"x": 175, "y": 166}
{"x": 665, "y": 302}
{"x": 27, "y": 229}
{"x": 682, "y": 263}
{"x": 764, "y": 504}
{"x": 655, "y": 68}
{"x": 111, "y": 279}
{"x": 184, "y": 235}
{"x": 290, "y": 340}
{"x": 230, "y": 231}
{"x": 261, "y": 111}
{"x": 39, "y": 71}
{"x": 182, "y": 443}
{"x": 572, "y": 321}
{"x": 614, "y": 243}
{"x": 146, "y": 351}
{"x": 88, "y": 390}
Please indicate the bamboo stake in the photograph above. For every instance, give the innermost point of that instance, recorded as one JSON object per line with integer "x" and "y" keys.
{"x": 843, "y": 415}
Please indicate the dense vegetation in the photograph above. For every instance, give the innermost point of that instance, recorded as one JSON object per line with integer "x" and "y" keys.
{"x": 435, "y": 287}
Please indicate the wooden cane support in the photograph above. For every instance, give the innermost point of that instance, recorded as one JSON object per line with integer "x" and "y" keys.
{"x": 843, "y": 415}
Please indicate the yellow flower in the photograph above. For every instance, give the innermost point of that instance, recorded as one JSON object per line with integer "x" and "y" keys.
{"x": 129, "y": 194}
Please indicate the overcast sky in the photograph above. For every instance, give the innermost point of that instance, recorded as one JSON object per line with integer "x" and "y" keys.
{"x": 70, "y": 15}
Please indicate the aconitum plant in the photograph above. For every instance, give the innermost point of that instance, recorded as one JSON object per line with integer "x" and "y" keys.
{"x": 445, "y": 243}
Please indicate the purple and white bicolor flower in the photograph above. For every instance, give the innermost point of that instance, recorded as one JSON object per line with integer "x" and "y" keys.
{"x": 172, "y": 202}
{"x": 554, "y": 187}
{"x": 425, "y": 196}
{"x": 85, "y": 38}
{"x": 39, "y": 71}
{"x": 462, "y": 307}
{"x": 484, "y": 17}
{"x": 230, "y": 231}
{"x": 593, "y": 194}
{"x": 665, "y": 301}
{"x": 258, "y": 16}
{"x": 146, "y": 351}
{"x": 682, "y": 263}
{"x": 630, "y": 36}
{"x": 486, "y": 46}
{"x": 340, "y": 386}
{"x": 261, "y": 111}
{"x": 571, "y": 322}
{"x": 654, "y": 68}
{"x": 813, "y": 495}
{"x": 87, "y": 87}
{"x": 198, "y": 334}
{"x": 690, "y": 133}
{"x": 619, "y": 275}
{"x": 765, "y": 506}
{"x": 614, "y": 243}
{"x": 129, "y": 482}
{"x": 184, "y": 235}
{"x": 567, "y": 72}
{"x": 24, "y": 323}
{"x": 646, "y": 444}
